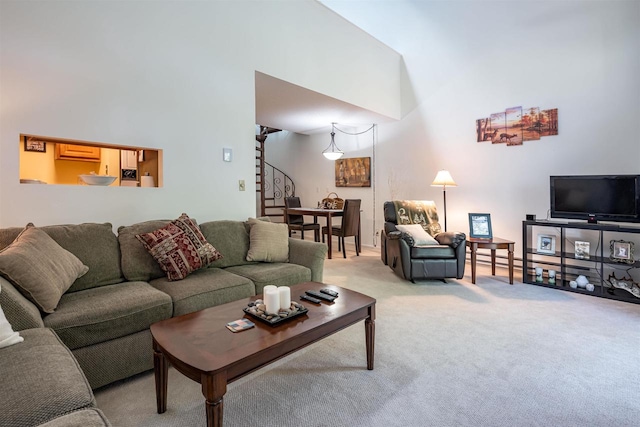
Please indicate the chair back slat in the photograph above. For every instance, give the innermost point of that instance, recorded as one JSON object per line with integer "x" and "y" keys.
{"x": 350, "y": 217}
{"x": 293, "y": 202}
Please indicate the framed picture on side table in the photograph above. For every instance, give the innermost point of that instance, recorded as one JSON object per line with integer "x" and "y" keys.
{"x": 480, "y": 226}
{"x": 621, "y": 251}
{"x": 546, "y": 244}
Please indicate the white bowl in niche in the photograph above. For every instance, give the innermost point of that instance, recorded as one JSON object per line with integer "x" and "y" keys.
{"x": 98, "y": 179}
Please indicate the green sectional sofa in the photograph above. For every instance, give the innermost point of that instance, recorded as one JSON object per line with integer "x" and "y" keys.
{"x": 104, "y": 317}
{"x": 42, "y": 384}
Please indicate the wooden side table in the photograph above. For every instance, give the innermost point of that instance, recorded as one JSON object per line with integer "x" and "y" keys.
{"x": 493, "y": 244}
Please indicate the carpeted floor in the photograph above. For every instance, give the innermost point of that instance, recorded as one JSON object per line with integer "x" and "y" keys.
{"x": 447, "y": 354}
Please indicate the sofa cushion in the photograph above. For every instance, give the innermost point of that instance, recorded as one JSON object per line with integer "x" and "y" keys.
{"x": 137, "y": 263}
{"x": 41, "y": 380}
{"x": 204, "y": 288}
{"x": 8, "y": 235}
{"x": 90, "y": 417}
{"x": 230, "y": 238}
{"x": 268, "y": 242}
{"x": 96, "y": 246}
{"x": 179, "y": 248}
{"x": 100, "y": 314}
{"x": 40, "y": 268}
{"x": 278, "y": 274}
{"x": 7, "y": 335}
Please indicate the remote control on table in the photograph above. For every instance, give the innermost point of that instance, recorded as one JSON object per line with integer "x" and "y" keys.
{"x": 310, "y": 299}
{"x": 329, "y": 292}
{"x": 320, "y": 295}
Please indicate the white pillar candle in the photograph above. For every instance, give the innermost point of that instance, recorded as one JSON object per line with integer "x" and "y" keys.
{"x": 272, "y": 300}
{"x": 285, "y": 297}
{"x": 268, "y": 287}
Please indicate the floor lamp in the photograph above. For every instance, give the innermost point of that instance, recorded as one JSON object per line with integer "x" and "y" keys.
{"x": 443, "y": 179}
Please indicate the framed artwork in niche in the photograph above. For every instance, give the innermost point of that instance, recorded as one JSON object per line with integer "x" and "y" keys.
{"x": 33, "y": 144}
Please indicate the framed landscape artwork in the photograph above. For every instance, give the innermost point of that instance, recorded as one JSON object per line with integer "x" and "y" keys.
{"x": 353, "y": 172}
{"x": 516, "y": 125}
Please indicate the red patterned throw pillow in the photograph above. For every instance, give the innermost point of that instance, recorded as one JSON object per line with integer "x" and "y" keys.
{"x": 179, "y": 248}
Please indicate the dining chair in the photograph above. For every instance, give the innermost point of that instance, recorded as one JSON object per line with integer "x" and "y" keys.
{"x": 350, "y": 226}
{"x": 296, "y": 222}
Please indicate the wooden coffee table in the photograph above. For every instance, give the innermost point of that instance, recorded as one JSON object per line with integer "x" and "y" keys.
{"x": 199, "y": 346}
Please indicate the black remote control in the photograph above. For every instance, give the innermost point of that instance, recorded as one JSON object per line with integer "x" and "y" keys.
{"x": 310, "y": 299}
{"x": 320, "y": 295}
{"x": 329, "y": 292}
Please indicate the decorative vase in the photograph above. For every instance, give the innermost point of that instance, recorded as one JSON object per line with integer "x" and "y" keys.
{"x": 539, "y": 274}
{"x": 590, "y": 287}
{"x": 573, "y": 284}
{"x": 582, "y": 281}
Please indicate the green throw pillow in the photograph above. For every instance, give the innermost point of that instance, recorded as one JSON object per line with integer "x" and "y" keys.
{"x": 268, "y": 241}
{"x": 41, "y": 269}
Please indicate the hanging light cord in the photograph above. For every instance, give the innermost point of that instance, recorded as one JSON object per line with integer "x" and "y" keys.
{"x": 357, "y": 133}
{"x": 373, "y": 171}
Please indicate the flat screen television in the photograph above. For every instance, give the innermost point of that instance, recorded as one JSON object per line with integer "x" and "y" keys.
{"x": 596, "y": 197}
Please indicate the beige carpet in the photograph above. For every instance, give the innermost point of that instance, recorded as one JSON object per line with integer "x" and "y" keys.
{"x": 447, "y": 354}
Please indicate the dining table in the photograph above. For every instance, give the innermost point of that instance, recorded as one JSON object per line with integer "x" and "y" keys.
{"x": 316, "y": 212}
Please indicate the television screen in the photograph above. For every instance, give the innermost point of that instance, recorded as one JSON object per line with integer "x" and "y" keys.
{"x": 596, "y": 197}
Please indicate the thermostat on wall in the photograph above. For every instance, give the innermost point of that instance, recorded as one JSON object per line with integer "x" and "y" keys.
{"x": 226, "y": 154}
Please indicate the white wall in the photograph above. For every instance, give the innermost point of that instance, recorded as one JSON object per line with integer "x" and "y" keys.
{"x": 177, "y": 76}
{"x": 466, "y": 60}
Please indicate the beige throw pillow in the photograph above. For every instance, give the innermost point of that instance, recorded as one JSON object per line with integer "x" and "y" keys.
{"x": 41, "y": 269}
{"x": 420, "y": 237}
{"x": 268, "y": 241}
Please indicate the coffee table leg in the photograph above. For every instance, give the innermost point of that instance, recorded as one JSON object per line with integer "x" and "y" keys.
{"x": 161, "y": 371}
{"x": 213, "y": 388}
{"x": 370, "y": 334}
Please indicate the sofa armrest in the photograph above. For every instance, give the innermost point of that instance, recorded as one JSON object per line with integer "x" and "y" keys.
{"x": 308, "y": 254}
{"x": 20, "y": 312}
{"x": 451, "y": 238}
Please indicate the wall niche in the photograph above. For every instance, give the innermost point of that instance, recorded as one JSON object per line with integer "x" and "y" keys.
{"x": 52, "y": 160}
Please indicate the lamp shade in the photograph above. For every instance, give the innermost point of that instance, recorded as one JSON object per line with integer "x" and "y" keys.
{"x": 443, "y": 179}
{"x": 332, "y": 152}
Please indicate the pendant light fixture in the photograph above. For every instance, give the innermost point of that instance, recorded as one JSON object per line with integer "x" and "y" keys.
{"x": 333, "y": 152}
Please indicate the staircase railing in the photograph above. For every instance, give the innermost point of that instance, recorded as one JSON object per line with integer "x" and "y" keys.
{"x": 272, "y": 183}
{"x": 277, "y": 186}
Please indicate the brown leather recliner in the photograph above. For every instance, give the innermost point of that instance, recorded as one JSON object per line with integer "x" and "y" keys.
{"x": 411, "y": 262}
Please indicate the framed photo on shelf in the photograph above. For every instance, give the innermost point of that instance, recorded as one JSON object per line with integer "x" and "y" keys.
{"x": 33, "y": 144}
{"x": 582, "y": 249}
{"x": 546, "y": 244}
{"x": 480, "y": 226}
{"x": 621, "y": 251}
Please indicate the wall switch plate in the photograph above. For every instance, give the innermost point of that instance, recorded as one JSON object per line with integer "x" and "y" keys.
{"x": 241, "y": 185}
{"x": 227, "y": 154}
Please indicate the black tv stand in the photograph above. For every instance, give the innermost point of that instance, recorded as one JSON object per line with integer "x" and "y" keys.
{"x": 608, "y": 275}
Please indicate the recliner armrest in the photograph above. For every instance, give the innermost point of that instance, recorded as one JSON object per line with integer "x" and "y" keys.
{"x": 451, "y": 238}
{"x": 408, "y": 238}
